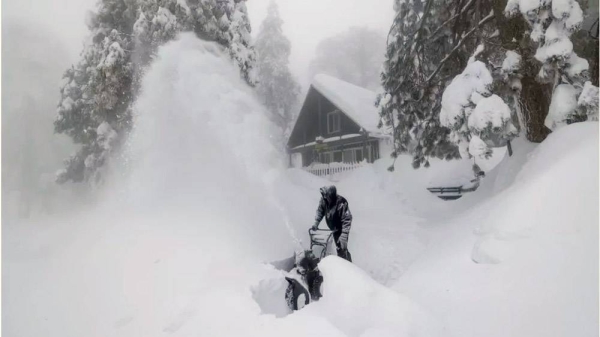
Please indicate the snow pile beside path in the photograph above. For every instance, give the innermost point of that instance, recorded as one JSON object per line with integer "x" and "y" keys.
{"x": 546, "y": 199}
{"x": 531, "y": 269}
{"x": 359, "y": 306}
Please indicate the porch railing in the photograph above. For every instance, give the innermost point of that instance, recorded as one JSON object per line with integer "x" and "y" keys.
{"x": 324, "y": 170}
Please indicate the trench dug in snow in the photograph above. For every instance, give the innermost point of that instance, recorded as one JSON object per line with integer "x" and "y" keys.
{"x": 270, "y": 296}
{"x": 353, "y": 302}
{"x": 269, "y": 293}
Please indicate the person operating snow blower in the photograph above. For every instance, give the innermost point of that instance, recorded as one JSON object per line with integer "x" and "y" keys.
{"x": 337, "y": 215}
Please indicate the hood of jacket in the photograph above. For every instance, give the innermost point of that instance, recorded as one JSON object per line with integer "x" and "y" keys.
{"x": 329, "y": 193}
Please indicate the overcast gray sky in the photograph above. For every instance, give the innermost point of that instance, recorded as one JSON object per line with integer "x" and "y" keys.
{"x": 65, "y": 18}
{"x": 306, "y": 21}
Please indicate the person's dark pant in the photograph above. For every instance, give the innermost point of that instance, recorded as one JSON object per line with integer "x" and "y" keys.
{"x": 343, "y": 253}
{"x": 314, "y": 279}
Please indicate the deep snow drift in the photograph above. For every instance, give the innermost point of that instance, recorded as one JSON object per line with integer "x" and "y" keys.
{"x": 524, "y": 262}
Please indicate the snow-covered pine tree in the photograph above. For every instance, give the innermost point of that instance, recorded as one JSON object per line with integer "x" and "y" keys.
{"x": 95, "y": 95}
{"x": 240, "y": 41}
{"x": 158, "y": 21}
{"x": 276, "y": 86}
{"x": 427, "y": 46}
{"x": 552, "y": 23}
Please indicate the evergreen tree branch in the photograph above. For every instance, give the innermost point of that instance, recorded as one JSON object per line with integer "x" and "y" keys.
{"x": 462, "y": 11}
{"x": 485, "y": 20}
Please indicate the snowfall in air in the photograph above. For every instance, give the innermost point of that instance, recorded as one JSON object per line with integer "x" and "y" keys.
{"x": 183, "y": 246}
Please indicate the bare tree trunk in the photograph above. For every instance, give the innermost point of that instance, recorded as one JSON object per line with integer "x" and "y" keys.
{"x": 535, "y": 102}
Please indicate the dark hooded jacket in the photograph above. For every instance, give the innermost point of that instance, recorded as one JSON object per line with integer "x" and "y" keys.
{"x": 335, "y": 209}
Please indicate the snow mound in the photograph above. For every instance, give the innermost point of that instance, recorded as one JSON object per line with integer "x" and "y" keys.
{"x": 359, "y": 306}
{"x": 531, "y": 269}
{"x": 548, "y": 174}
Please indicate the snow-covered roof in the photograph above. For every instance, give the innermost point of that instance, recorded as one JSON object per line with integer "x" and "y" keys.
{"x": 356, "y": 102}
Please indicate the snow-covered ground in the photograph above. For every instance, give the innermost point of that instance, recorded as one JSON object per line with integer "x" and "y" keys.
{"x": 525, "y": 261}
{"x": 201, "y": 199}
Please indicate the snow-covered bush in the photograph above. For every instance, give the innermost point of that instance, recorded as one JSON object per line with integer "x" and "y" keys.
{"x": 477, "y": 118}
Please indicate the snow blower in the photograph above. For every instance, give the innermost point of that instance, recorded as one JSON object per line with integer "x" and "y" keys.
{"x": 305, "y": 279}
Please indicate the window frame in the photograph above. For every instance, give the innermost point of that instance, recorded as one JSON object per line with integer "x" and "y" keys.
{"x": 352, "y": 152}
{"x": 335, "y": 115}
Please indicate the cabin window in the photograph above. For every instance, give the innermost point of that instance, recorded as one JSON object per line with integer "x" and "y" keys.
{"x": 354, "y": 155}
{"x": 358, "y": 155}
{"x": 325, "y": 157}
{"x": 330, "y": 157}
{"x": 334, "y": 122}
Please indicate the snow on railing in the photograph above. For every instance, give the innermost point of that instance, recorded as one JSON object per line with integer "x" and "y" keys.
{"x": 324, "y": 170}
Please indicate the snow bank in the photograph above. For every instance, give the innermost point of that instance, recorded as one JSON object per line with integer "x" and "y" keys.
{"x": 531, "y": 269}
{"x": 359, "y": 306}
{"x": 546, "y": 179}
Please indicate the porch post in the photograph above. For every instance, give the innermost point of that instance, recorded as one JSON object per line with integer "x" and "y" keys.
{"x": 320, "y": 116}
{"x": 365, "y": 154}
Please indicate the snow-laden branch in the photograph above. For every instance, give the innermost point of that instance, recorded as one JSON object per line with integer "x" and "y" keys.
{"x": 416, "y": 33}
{"x": 460, "y": 43}
{"x": 463, "y": 10}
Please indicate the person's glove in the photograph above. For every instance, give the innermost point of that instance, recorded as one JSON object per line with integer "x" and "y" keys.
{"x": 315, "y": 227}
{"x": 343, "y": 242}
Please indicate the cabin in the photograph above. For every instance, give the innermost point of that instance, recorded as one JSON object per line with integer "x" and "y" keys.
{"x": 337, "y": 127}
